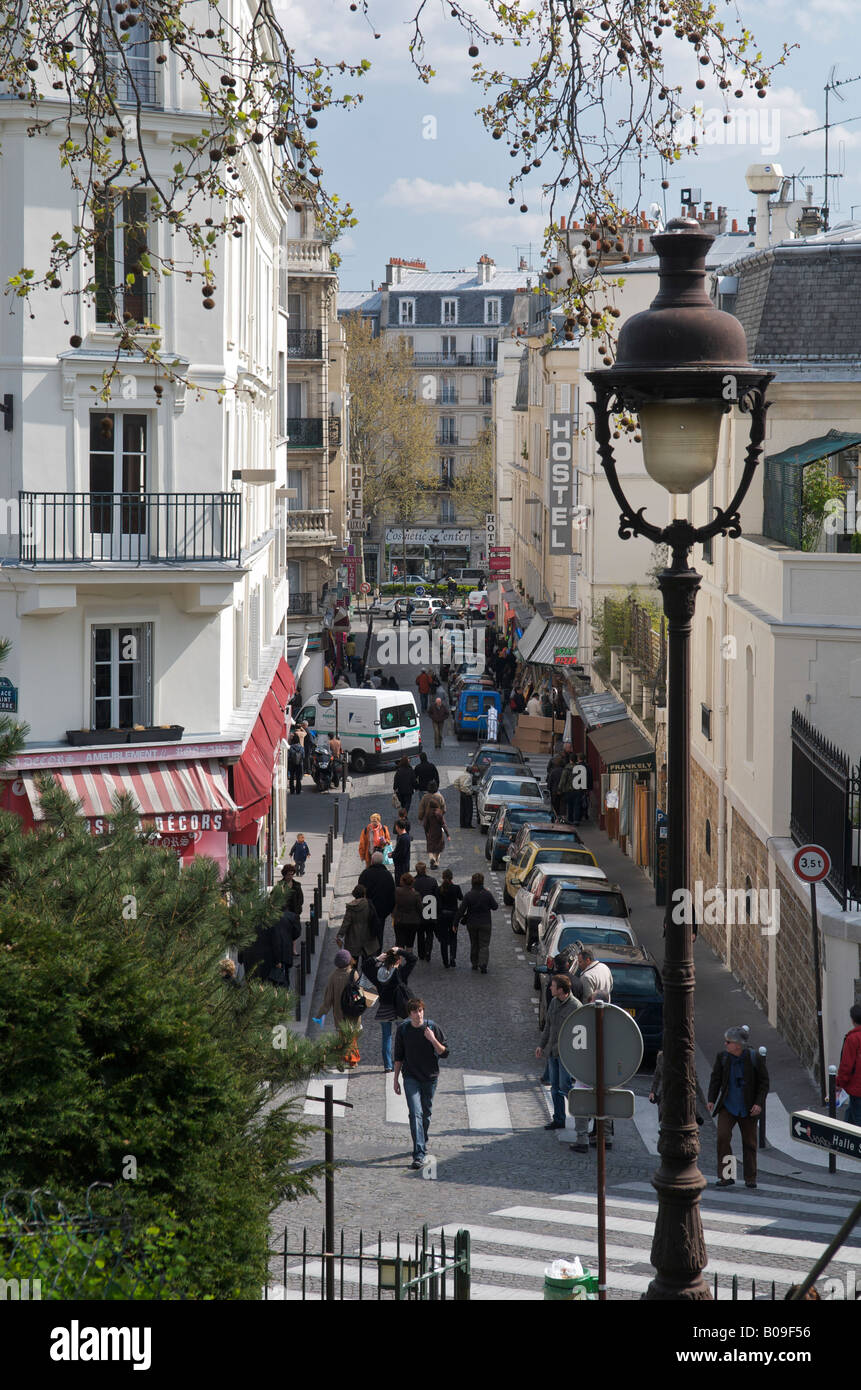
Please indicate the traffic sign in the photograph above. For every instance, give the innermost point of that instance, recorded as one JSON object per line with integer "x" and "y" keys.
{"x": 364, "y": 587}
{"x": 420, "y": 591}
{"x": 623, "y": 1045}
{"x": 618, "y": 1105}
{"x": 812, "y": 863}
{"x": 806, "y": 1127}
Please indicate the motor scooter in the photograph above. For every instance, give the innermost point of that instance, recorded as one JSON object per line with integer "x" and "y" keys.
{"x": 323, "y": 769}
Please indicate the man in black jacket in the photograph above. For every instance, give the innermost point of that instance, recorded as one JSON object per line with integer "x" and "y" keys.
{"x": 427, "y": 888}
{"x": 418, "y": 1046}
{"x": 737, "y": 1091}
{"x": 475, "y": 912}
{"x": 426, "y": 775}
{"x": 379, "y": 885}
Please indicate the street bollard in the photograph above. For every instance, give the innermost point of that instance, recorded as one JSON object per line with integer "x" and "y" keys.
{"x": 763, "y": 1052}
{"x": 336, "y": 816}
{"x": 832, "y": 1112}
{"x": 311, "y": 933}
{"x": 318, "y": 896}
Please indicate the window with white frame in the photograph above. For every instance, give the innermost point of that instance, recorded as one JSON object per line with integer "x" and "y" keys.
{"x": 446, "y": 510}
{"x": 449, "y": 345}
{"x": 448, "y": 429}
{"x": 121, "y": 676}
{"x": 447, "y": 390}
{"x": 120, "y": 253}
{"x": 492, "y": 310}
{"x": 448, "y": 311}
{"x": 406, "y": 312}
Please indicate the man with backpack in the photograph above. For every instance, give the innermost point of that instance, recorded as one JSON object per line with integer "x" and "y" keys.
{"x": 426, "y": 776}
{"x": 295, "y": 765}
{"x": 737, "y": 1091}
{"x": 418, "y": 1047}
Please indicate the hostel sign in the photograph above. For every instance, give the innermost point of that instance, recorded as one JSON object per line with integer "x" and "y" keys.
{"x": 561, "y": 486}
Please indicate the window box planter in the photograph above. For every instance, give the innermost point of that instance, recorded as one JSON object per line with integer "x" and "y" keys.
{"x": 168, "y": 733}
{"x": 89, "y": 738}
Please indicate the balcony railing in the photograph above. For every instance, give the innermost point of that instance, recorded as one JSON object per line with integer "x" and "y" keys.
{"x": 304, "y": 342}
{"x": 314, "y": 522}
{"x": 305, "y": 433}
{"x": 454, "y": 359}
{"x": 443, "y": 439}
{"x": 301, "y": 604}
{"x": 308, "y": 257}
{"x": 447, "y": 398}
{"x": 130, "y": 528}
{"x": 123, "y": 304}
{"x": 132, "y": 81}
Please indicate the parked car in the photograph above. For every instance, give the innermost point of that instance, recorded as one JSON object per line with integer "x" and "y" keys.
{"x": 637, "y": 988}
{"x": 509, "y": 788}
{"x": 531, "y": 854}
{"x": 477, "y": 601}
{"x": 470, "y": 576}
{"x": 444, "y": 620}
{"x": 470, "y": 713}
{"x": 491, "y": 755}
{"x": 633, "y": 954}
{"x": 531, "y": 898}
{"x": 557, "y": 833}
{"x": 593, "y": 905}
{"x": 423, "y": 608}
{"x": 462, "y": 676}
{"x": 505, "y": 826}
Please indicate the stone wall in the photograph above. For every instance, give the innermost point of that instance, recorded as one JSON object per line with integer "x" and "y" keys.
{"x": 704, "y": 865}
{"x": 748, "y": 859}
{"x": 796, "y": 992}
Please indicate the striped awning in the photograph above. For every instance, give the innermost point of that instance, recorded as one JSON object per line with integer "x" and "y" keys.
{"x": 158, "y": 789}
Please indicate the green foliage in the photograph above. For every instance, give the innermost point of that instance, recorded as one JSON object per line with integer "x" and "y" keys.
{"x": 818, "y": 488}
{"x": 119, "y": 1040}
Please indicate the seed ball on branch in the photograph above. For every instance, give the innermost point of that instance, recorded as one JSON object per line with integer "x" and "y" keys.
{"x": 473, "y": 51}
{"x": 76, "y": 340}
{"x": 209, "y": 303}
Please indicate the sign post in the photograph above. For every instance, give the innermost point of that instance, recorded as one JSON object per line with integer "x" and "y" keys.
{"x": 601, "y": 1046}
{"x": 812, "y": 863}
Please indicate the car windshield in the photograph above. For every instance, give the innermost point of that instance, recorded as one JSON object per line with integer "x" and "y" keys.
{"x": 592, "y": 936}
{"x": 398, "y": 717}
{"x": 520, "y": 815}
{"x": 590, "y": 904}
{"x": 502, "y": 787}
{"x": 572, "y": 856}
{"x": 635, "y": 981}
{"x": 552, "y": 835}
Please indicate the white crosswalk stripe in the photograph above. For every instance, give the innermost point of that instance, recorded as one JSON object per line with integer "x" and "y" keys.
{"x": 315, "y": 1106}
{"x": 520, "y": 1241}
{"x": 486, "y": 1104}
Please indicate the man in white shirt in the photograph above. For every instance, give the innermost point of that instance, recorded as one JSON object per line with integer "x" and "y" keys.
{"x": 492, "y": 724}
{"x": 597, "y": 981}
{"x": 533, "y": 705}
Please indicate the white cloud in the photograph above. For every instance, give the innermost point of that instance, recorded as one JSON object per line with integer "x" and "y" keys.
{"x": 421, "y": 195}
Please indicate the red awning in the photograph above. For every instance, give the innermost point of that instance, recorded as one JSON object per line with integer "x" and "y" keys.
{"x": 253, "y": 774}
{"x": 158, "y": 789}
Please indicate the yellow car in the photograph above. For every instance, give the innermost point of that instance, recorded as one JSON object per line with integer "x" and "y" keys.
{"x": 519, "y": 868}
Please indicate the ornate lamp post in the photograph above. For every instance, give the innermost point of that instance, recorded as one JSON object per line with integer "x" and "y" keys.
{"x": 681, "y": 365}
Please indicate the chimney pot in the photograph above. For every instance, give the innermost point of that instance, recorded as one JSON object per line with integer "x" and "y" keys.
{"x": 735, "y": 224}
{"x": 562, "y": 221}
{"x": 641, "y": 245}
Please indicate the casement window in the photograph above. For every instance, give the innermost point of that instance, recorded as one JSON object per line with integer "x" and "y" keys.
{"x": 128, "y": 65}
{"x": 406, "y": 312}
{"x": 449, "y": 345}
{"x": 118, "y": 482}
{"x": 492, "y": 310}
{"x": 446, "y": 510}
{"x": 122, "y": 286}
{"x": 448, "y": 428}
{"x": 448, "y": 311}
{"x": 446, "y": 471}
{"x": 447, "y": 390}
{"x": 121, "y": 676}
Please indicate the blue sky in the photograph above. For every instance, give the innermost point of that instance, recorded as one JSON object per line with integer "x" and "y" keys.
{"x": 445, "y": 199}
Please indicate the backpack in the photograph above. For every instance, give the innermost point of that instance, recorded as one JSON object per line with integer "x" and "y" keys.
{"x": 566, "y": 781}
{"x": 353, "y": 1001}
{"x": 295, "y": 756}
{"x": 401, "y": 999}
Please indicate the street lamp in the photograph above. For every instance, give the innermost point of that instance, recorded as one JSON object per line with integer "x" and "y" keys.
{"x": 681, "y": 365}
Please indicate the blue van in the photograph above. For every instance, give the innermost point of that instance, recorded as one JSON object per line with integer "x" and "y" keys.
{"x": 470, "y": 713}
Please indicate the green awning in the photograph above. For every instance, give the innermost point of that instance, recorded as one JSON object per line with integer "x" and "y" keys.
{"x": 822, "y": 447}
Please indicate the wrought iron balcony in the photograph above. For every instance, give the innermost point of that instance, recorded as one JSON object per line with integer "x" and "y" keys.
{"x": 132, "y": 80}
{"x": 448, "y": 438}
{"x": 304, "y": 342}
{"x": 447, "y": 398}
{"x": 124, "y": 304}
{"x": 305, "y": 433}
{"x": 454, "y": 359}
{"x": 129, "y": 528}
{"x": 301, "y": 604}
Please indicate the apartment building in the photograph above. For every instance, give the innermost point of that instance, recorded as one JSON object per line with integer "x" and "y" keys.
{"x": 144, "y": 578}
{"x": 453, "y": 323}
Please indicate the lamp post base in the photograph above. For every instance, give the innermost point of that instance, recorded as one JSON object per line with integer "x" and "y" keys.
{"x": 678, "y": 1246}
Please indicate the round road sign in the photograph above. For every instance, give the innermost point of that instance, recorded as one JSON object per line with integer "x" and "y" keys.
{"x": 364, "y": 587}
{"x": 623, "y": 1045}
{"x": 420, "y": 591}
{"x": 812, "y": 863}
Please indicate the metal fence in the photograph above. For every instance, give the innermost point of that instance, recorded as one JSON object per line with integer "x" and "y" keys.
{"x": 422, "y": 1269}
{"x": 79, "y": 528}
{"x": 825, "y": 807}
{"x": 640, "y": 633}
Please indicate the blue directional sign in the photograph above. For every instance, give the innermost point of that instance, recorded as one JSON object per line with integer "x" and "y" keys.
{"x": 806, "y": 1127}
{"x": 420, "y": 591}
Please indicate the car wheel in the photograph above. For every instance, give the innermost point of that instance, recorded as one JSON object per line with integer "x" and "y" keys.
{"x": 536, "y": 982}
{"x": 507, "y": 898}
{"x": 358, "y": 760}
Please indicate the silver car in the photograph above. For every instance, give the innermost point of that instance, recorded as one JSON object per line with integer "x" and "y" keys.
{"x": 505, "y": 788}
{"x": 576, "y": 910}
{"x": 531, "y": 898}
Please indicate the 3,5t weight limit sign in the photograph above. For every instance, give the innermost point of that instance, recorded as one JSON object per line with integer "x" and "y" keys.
{"x": 812, "y": 863}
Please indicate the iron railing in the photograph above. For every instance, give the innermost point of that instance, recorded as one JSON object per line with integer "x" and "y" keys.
{"x": 305, "y": 433}
{"x": 80, "y": 528}
{"x": 424, "y": 1269}
{"x": 123, "y": 304}
{"x": 825, "y": 807}
{"x": 301, "y": 603}
{"x": 451, "y": 437}
{"x": 132, "y": 80}
{"x": 304, "y": 342}
{"x": 454, "y": 359}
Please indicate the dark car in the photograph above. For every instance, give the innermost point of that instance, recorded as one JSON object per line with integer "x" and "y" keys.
{"x": 505, "y": 825}
{"x": 492, "y": 753}
{"x": 638, "y": 988}
{"x": 556, "y": 833}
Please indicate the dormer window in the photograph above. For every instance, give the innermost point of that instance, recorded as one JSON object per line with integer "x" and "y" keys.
{"x": 406, "y": 311}
{"x": 493, "y": 310}
{"x": 449, "y": 311}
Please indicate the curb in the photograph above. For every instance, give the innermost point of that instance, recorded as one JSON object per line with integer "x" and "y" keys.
{"x": 301, "y": 1024}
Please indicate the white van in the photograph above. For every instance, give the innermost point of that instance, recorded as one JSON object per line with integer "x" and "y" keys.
{"x": 376, "y": 727}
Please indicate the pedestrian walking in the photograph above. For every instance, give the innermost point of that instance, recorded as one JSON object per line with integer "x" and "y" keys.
{"x": 390, "y": 973}
{"x": 426, "y": 775}
{"x": 432, "y": 817}
{"x": 583, "y": 781}
{"x": 450, "y": 898}
{"x": 439, "y": 713}
{"x": 554, "y": 778}
{"x": 404, "y": 784}
{"x": 533, "y": 706}
{"x": 350, "y": 651}
{"x": 423, "y": 681}
{"x": 566, "y": 792}
{"x": 492, "y": 724}
{"x": 401, "y": 851}
{"x": 343, "y": 974}
{"x": 299, "y": 853}
{"x": 407, "y": 912}
{"x": 737, "y": 1091}
{"x": 288, "y": 893}
{"x": 360, "y": 931}
{"x": 464, "y": 785}
{"x": 295, "y": 764}
{"x": 375, "y": 836}
{"x": 562, "y": 1006}
{"x": 427, "y": 888}
{"x": 849, "y": 1071}
{"x": 418, "y": 1048}
{"x": 475, "y": 912}
{"x": 379, "y": 885}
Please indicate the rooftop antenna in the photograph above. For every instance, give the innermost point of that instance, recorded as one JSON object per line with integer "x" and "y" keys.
{"x": 830, "y": 86}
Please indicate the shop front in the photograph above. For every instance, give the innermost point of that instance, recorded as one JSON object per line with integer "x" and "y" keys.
{"x": 623, "y": 767}
{"x": 430, "y": 552}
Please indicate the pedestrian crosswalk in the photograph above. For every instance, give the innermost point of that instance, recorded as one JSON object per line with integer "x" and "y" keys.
{"x": 771, "y": 1236}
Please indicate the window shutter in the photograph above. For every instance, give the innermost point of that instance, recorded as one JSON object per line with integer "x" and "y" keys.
{"x": 146, "y": 691}
{"x": 254, "y": 636}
